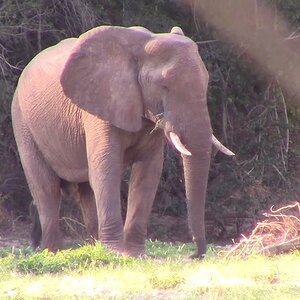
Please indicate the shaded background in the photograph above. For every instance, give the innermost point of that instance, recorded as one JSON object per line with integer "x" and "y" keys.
{"x": 250, "y": 50}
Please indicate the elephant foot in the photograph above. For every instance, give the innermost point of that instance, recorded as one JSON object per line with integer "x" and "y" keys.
{"x": 196, "y": 256}
{"x": 120, "y": 253}
{"x": 129, "y": 249}
{"x": 53, "y": 245}
{"x": 117, "y": 248}
{"x": 132, "y": 254}
{"x": 51, "y": 238}
{"x": 201, "y": 249}
{"x": 135, "y": 250}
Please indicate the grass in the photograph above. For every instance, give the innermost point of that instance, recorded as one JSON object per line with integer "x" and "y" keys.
{"x": 90, "y": 272}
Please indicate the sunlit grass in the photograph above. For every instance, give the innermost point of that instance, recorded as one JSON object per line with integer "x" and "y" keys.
{"x": 91, "y": 272}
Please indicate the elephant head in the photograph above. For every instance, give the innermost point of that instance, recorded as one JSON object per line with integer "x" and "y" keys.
{"x": 123, "y": 75}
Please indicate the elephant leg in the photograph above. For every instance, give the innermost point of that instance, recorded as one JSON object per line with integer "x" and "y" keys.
{"x": 106, "y": 182}
{"x": 105, "y": 161}
{"x": 36, "y": 231}
{"x": 144, "y": 180}
{"x": 87, "y": 204}
{"x": 44, "y": 185}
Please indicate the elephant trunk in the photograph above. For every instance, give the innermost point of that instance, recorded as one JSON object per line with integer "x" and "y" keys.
{"x": 197, "y": 139}
{"x": 191, "y": 133}
{"x": 196, "y": 170}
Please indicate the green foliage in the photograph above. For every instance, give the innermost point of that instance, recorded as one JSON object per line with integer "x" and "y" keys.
{"x": 166, "y": 280}
{"x": 167, "y": 250}
{"x": 25, "y": 260}
{"x": 91, "y": 272}
{"x": 67, "y": 260}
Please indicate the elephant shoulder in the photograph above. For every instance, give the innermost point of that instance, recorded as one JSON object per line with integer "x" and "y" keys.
{"x": 141, "y": 29}
{"x": 61, "y": 49}
{"x": 43, "y": 72}
{"x": 51, "y": 60}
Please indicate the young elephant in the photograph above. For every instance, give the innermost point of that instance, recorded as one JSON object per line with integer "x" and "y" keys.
{"x": 88, "y": 107}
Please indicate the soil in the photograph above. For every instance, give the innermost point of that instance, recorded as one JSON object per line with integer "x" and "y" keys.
{"x": 15, "y": 232}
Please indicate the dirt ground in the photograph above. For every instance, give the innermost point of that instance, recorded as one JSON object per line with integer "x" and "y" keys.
{"x": 15, "y": 232}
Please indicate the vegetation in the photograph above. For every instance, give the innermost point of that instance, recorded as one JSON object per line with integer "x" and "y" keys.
{"x": 250, "y": 109}
{"x": 90, "y": 272}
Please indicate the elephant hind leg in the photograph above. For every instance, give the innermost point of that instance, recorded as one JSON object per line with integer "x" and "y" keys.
{"x": 83, "y": 194}
{"x": 36, "y": 232}
{"x": 45, "y": 189}
{"x": 88, "y": 207}
{"x": 44, "y": 185}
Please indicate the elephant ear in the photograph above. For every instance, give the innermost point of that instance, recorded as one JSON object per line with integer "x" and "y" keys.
{"x": 100, "y": 76}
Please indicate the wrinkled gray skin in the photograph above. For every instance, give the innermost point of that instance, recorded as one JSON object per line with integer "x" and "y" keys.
{"x": 86, "y": 108}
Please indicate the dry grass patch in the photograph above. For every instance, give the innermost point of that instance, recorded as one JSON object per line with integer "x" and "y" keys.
{"x": 279, "y": 233}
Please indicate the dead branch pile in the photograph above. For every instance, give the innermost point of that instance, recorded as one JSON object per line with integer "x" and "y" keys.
{"x": 279, "y": 233}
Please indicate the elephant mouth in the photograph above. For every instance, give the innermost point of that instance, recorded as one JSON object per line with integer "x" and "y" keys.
{"x": 174, "y": 139}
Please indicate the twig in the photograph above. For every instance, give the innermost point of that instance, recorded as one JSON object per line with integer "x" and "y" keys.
{"x": 195, "y": 16}
{"x": 293, "y": 205}
{"x": 284, "y": 148}
{"x": 7, "y": 63}
{"x": 286, "y": 120}
{"x": 39, "y": 32}
{"x": 158, "y": 120}
{"x": 281, "y": 247}
{"x": 256, "y": 15}
{"x": 206, "y": 42}
{"x": 66, "y": 219}
{"x": 292, "y": 35}
{"x": 224, "y": 103}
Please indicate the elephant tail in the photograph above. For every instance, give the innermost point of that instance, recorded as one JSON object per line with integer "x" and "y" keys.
{"x": 36, "y": 232}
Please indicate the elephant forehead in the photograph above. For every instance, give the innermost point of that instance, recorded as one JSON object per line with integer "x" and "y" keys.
{"x": 170, "y": 44}
{"x": 181, "y": 66}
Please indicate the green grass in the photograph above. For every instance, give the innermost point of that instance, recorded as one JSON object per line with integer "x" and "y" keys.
{"x": 91, "y": 272}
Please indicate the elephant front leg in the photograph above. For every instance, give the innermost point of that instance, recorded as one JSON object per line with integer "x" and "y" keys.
{"x": 105, "y": 179}
{"x": 144, "y": 180}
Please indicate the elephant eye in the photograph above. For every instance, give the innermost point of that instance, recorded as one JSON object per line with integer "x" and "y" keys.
{"x": 165, "y": 88}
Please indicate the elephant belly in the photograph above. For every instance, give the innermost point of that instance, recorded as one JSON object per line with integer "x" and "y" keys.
{"x": 63, "y": 146}
{"x": 72, "y": 174}
{"x": 67, "y": 159}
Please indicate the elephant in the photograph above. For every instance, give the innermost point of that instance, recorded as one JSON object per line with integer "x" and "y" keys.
{"x": 89, "y": 107}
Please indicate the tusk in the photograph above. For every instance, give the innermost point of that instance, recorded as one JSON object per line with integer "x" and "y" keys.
{"x": 220, "y": 146}
{"x": 178, "y": 144}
